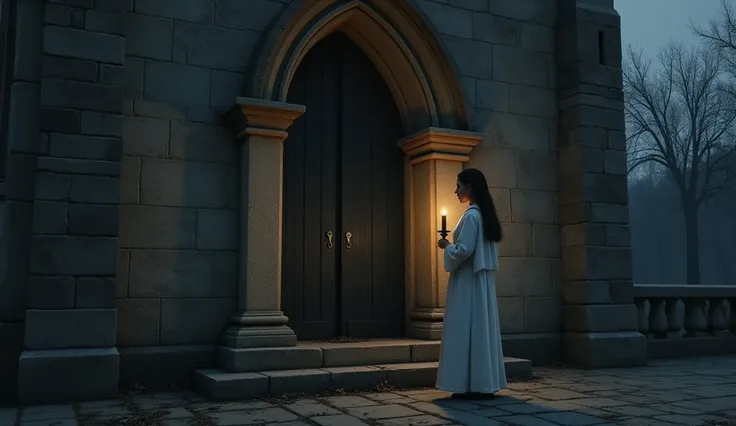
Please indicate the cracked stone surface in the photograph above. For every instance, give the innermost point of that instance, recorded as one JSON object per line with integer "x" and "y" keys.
{"x": 699, "y": 391}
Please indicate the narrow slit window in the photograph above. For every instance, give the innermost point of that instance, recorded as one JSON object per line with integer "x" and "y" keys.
{"x": 601, "y": 48}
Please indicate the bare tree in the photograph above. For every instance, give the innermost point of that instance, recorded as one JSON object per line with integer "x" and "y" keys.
{"x": 679, "y": 118}
{"x": 720, "y": 35}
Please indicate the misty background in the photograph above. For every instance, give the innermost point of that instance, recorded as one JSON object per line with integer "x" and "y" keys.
{"x": 658, "y": 237}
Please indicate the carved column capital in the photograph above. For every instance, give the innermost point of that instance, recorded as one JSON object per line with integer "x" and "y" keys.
{"x": 266, "y": 118}
{"x": 434, "y": 143}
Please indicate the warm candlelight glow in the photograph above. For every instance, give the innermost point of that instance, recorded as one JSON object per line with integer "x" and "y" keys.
{"x": 444, "y": 212}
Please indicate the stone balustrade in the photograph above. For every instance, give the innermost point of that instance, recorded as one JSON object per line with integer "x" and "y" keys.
{"x": 685, "y": 320}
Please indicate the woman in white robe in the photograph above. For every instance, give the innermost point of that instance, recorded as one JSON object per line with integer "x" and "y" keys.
{"x": 471, "y": 357}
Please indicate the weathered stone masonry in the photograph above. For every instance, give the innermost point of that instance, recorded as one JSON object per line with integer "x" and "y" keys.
{"x": 122, "y": 183}
{"x": 65, "y": 166}
{"x": 599, "y": 325}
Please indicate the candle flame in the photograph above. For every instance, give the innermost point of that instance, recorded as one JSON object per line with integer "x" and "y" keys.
{"x": 444, "y": 212}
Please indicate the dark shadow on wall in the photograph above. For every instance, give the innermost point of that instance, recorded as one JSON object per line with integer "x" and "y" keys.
{"x": 12, "y": 302}
{"x": 15, "y": 224}
{"x": 11, "y": 346}
{"x": 179, "y": 239}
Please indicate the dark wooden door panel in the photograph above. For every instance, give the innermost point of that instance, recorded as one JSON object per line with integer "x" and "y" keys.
{"x": 343, "y": 173}
{"x": 372, "y": 275}
{"x": 309, "y": 280}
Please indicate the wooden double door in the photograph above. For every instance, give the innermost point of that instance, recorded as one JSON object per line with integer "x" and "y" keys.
{"x": 343, "y": 230}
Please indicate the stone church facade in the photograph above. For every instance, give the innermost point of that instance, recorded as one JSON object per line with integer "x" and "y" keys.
{"x": 184, "y": 181}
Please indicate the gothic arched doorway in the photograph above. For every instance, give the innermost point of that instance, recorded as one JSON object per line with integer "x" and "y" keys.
{"x": 343, "y": 174}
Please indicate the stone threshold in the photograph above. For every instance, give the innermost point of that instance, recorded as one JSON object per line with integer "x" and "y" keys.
{"x": 219, "y": 385}
{"x": 309, "y": 354}
{"x": 321, "y": 366}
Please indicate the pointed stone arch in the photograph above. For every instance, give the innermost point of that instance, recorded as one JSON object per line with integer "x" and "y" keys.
{"x": 393, "y": 34}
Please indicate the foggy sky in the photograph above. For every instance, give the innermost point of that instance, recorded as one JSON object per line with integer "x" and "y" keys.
{"x": 651, "y": 24}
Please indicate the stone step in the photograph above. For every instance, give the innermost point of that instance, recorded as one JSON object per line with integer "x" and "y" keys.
{"x": 219, "y": 385}
{"x": 321, "y": 354}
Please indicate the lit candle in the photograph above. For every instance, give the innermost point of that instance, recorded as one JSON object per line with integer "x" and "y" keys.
{"x": 444, "y": 220}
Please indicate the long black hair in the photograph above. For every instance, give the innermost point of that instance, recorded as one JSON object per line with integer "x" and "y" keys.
{"x": 476, "y": 181}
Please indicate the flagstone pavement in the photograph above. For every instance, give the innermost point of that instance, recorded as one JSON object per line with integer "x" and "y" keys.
{"x": 700, "y": 391}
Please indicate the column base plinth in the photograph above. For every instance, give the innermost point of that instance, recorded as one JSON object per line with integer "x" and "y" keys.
{"x": 259, "y": 330}
{"x": 239, "y": 336}
{"x": 426, "y": 323}
{"x": 425, "y": 330}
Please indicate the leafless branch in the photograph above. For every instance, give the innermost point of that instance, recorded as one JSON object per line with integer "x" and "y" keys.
{"x": 680, "y": 115}
{"x": 720, "y": 36}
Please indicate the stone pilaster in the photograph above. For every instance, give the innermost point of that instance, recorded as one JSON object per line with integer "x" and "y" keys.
{"x": 434, "y": 158}
{"x": 261, "y": 129}
{"x": 599, "y": 317}
{"x": 69, "y": 346}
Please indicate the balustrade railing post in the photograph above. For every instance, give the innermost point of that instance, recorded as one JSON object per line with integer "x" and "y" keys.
{"x": 696, "y": 321}
{"x": 641, "y": 309}
{"x": 708, "y": 320}
{"x": 674, "y": 321}
{"x": 657, "y": 317}
{"x": 717, "y": 321}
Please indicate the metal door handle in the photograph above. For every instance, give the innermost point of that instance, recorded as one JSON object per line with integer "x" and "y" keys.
{"x": 329, "y": 239}
{"x": 348, "y": 238}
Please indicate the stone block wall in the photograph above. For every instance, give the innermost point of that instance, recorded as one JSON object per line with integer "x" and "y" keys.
{"x": 121, "y": 189}
{"x": 184, "y": 65}
{"x": 598, "y": 313}
{"x": 505, "y": 53}
{"x": 72, "y": 137}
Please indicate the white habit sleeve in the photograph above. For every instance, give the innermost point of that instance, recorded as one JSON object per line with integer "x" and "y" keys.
{"x": 464, "y": 245}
